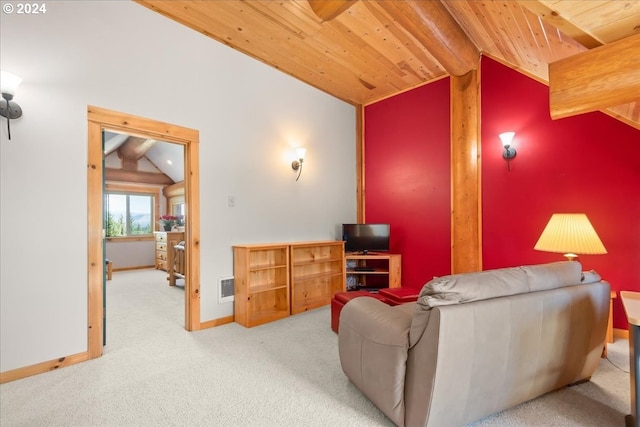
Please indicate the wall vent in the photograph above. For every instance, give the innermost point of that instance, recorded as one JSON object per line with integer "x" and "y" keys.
{"x": 225, "y": 289}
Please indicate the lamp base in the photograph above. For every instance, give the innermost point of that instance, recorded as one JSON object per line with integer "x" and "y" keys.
{"x": 571, "y": 257}
{"x": 296, "y": 165}
{"x": 10, "y": 109}
{"x": 509, "y": 153}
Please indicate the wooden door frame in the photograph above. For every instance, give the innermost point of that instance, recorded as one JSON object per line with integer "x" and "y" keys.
{"x": 100, "y": 119}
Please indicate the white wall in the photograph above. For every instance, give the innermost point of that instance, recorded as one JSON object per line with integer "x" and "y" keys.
{"x": 131, "y": 254}
{"x": 122, "y": 56}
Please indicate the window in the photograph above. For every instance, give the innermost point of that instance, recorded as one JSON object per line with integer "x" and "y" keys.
{"x": 128, "y": 214}
{"x": 177, "y": 209}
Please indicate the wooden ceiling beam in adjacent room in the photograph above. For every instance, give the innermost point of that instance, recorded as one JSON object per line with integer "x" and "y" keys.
{"x": 111, "y": 174}
{"x": 134, "y": 148}
{"x": 604, "y": 77}
{"x": 174, "y": 190}
{"x": 329, "y": 9}
{"x": 434, "y": 27}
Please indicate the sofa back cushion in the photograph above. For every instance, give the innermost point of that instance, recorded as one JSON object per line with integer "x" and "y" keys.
{"x": 460, "y": 288}
{"x": 468, "y": 287}
{"x": 553, "y": 275}
{"x": 483, "y": 285}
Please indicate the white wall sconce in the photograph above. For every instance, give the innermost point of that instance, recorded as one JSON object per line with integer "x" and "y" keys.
{"x": 509, "y": 152}
{"x": 10, "y": 109}
{"x": 296, "y": 165}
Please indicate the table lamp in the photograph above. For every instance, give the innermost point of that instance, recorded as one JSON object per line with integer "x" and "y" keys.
{"x": 570, "y": 234}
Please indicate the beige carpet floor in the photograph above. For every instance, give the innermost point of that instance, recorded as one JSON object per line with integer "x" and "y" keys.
{"x": 285, "y": 373}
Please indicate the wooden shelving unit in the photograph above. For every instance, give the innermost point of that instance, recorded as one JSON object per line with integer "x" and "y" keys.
{"x": 273, "y": 281}
{"x": 385, "y": 269}
{"x": 317, "y": 272}
{"x": 261, "y": 283}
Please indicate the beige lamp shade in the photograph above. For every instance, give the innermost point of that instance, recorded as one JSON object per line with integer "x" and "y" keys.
{"x": 570, "y": 233}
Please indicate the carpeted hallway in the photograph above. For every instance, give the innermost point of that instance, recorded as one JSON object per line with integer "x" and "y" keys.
{"x": 285, "y": 373}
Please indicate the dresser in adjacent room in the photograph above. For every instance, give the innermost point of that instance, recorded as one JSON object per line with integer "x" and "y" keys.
{"x": 165, "y": 241}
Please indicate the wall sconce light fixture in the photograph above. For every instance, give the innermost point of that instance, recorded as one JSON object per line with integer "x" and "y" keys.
{"x": 296, "y": 165}
{"x": 509, "y": 152}
{"x": 9, "y": 82}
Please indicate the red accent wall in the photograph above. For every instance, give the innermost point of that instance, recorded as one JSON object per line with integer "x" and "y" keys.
{"x": 588, "y": 163}
{"x": 407, "y": 182}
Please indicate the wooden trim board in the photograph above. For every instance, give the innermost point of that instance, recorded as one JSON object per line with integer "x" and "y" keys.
{"x": 100, "y": 119}
{"x": 41, "y": 368}
{"x": 216, "y": 322}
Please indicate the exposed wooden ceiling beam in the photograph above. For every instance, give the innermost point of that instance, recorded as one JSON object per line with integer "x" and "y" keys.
{"x": 428, "y": 21}
{"x": 329, "y": 9}
{"x": 606, "y": 76}
{"x": 134, "y": 148}
{"x": 434, "y": 27}
{"x": 567, "y": 27}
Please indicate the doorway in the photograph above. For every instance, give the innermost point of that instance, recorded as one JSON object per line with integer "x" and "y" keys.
{"x": 100, "y": 120}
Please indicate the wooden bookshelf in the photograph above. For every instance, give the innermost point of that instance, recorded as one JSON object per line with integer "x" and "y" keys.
{"x": 261, "y": 283}
{"x": 273, "y": 281}
{"x": 317, "y": 273}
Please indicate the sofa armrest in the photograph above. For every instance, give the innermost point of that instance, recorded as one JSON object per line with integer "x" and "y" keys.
{"x": 373, "y": 341}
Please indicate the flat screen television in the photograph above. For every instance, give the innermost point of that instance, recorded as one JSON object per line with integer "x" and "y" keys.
{"x": 365, "y": 238}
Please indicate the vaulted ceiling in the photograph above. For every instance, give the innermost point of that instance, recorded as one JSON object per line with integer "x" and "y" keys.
{"x": 364, "y": 51}
{"x": 134, "y": 159}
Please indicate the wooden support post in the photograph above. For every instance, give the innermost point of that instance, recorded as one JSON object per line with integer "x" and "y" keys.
{"x": 109, "y": 269}
{"x": 466, "y": 199}
{"x": 360, "y": 165}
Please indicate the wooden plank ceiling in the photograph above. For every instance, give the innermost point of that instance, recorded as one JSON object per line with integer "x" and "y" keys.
{"x": 374, "y": 49}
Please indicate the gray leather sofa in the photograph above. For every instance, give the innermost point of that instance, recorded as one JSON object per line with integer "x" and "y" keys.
{"x": 475, "y": 344}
